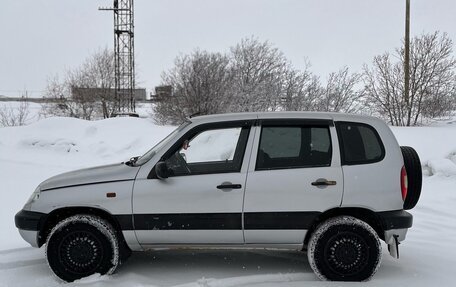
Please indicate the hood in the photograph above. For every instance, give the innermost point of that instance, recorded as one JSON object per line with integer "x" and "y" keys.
{"x": 99, "y": 174}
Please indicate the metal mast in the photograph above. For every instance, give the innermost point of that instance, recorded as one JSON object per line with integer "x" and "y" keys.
{"x": 124, "y": 55}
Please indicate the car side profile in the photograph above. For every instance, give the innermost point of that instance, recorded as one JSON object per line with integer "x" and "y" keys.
{"x": 333, "y": 185}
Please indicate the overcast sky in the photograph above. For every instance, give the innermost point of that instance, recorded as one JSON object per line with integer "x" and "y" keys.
{"x": 43, "y": 38}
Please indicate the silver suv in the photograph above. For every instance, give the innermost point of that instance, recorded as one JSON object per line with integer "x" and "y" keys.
{"x": 326, "y": 183}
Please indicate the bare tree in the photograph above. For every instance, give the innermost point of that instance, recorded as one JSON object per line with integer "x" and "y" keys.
{"x": 14, "y": 116}
{"x": 432, "y": 81}
{"x": 85, "y": 92}
{"x": 201, "y": 84}
{"x": 340, "y": 94}
{"x": 301, "y": 91}
{"x": 63, "y": 101}
{"x": 259, "y": 70}
{"x": 99, "y": 74}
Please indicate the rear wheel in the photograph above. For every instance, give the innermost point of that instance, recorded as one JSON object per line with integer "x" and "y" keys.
{"x": 412, "y": 166}
{"x": 80, "y": 246}
{"x": 344, "y": 249}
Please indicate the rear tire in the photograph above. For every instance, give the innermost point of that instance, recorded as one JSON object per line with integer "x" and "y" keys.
{"x": 80, "y": 246}
{"x": 414, "y": 176}
{"x": 344, "y": 249}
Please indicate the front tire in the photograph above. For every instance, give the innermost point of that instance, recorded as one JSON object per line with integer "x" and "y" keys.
{"x": 344, "y": 249}
{"x": 80, "y": 246}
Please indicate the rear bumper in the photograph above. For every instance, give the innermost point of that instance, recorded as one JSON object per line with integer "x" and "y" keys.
{"x": 29, "y": 224}
{"x": 396, "y": 219}
{"x": 395, "y": 225}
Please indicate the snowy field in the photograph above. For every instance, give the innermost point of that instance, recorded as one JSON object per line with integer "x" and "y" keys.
{"x": 30, "y": 154}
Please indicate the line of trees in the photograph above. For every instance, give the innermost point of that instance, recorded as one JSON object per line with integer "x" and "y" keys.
{"x": 256, "y": 76}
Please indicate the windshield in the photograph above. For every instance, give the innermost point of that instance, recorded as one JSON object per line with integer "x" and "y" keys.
{"x": 148, "y": 155}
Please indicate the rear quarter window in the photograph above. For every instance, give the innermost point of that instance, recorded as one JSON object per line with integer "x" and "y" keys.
{"x": 359, "y": 143}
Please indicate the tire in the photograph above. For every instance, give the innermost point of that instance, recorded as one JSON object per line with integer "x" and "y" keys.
{"x": 414, "y": 176}
{"x": 80, "y": 246}
{"x": 344, "y": 249}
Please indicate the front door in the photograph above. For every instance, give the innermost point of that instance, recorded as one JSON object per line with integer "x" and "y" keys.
{"x": 294, "y": 175}
{"x": 201, "y": 201}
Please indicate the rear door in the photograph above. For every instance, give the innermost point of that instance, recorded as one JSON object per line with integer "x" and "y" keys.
{"x": 294, "y": 174}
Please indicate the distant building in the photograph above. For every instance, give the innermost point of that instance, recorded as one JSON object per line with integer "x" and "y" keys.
{"x": 139, "y": 94}
{"x": 161, "y": 93}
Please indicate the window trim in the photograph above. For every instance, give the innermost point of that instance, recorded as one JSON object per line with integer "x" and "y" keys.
{"x": 245, "y": 126}
{"x": 341, "y": 144}
{"x": 283, "y": 123}
{"x": 296, "y": 122}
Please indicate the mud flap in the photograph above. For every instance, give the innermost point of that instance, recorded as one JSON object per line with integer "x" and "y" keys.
{"x": 393, "y": 247}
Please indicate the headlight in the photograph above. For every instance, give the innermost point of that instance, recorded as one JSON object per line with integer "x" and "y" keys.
{"x": 34, "y": 197}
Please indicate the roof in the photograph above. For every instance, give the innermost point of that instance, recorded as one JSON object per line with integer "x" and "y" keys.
{"x": 281, "y": 115}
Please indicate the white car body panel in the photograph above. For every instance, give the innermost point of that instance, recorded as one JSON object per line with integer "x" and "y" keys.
{"x": 364, "y": 184}
{"x": 99, "y": 174}
{"x": 88, "y": 196}
{"x": 285, "y": 190}
{"x": 184, "y": 195}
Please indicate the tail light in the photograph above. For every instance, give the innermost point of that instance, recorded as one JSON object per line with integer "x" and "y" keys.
{"x": 404, "y": 183}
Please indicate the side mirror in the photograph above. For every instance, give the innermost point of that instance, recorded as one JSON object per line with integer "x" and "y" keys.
{"x": 161, "y": 169}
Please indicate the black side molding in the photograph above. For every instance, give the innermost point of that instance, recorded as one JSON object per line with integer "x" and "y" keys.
{"x": 29, "y": 220}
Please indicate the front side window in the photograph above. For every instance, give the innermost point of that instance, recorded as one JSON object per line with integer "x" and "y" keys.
{"x": 210, "y": 151}
{"x": 360, "y": 143}
{"x": 148, "y": 155}
{"x": 293, "y": 147}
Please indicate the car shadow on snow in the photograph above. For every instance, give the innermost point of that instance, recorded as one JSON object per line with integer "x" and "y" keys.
{"x": 187, "y": 264}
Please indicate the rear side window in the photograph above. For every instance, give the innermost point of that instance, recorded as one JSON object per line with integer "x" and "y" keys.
{"x": 293, "y": 147}
{"x": 359, "y": 143}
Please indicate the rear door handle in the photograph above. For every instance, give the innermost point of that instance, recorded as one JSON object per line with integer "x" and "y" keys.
{"x": 229, "y": 186}
{"x": 323, "y": 182}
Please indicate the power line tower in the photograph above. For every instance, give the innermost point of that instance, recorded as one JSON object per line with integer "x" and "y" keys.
{"x": 124, "y": 54}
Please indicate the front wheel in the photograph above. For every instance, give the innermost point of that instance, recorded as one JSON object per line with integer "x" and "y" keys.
{"x": 344, "y": 249}
{"x": 80, "y": 246}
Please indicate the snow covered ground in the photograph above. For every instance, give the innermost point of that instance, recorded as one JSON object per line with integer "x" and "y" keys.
{"x": 32, "y": 153}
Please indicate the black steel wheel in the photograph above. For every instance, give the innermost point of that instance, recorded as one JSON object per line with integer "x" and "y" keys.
{"x": 80, "y": 246}
{"x": 344, "y": 249}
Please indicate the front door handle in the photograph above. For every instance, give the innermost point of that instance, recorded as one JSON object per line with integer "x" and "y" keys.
{"x": 229, "y": 186}
{"x": 323, "y": 182}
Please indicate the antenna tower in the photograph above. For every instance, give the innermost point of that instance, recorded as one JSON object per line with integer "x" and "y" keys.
{"x": 124, "y": 55}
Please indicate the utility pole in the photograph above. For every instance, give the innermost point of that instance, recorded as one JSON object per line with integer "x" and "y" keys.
{"x": 407, "y": 58}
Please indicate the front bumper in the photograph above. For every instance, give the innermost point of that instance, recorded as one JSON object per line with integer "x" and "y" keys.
{"x": 29, "y": 224}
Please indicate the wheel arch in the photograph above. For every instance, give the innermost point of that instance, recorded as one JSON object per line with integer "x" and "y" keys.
{"x": 360, "y": 213}
{"x": 60, "y": 214}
